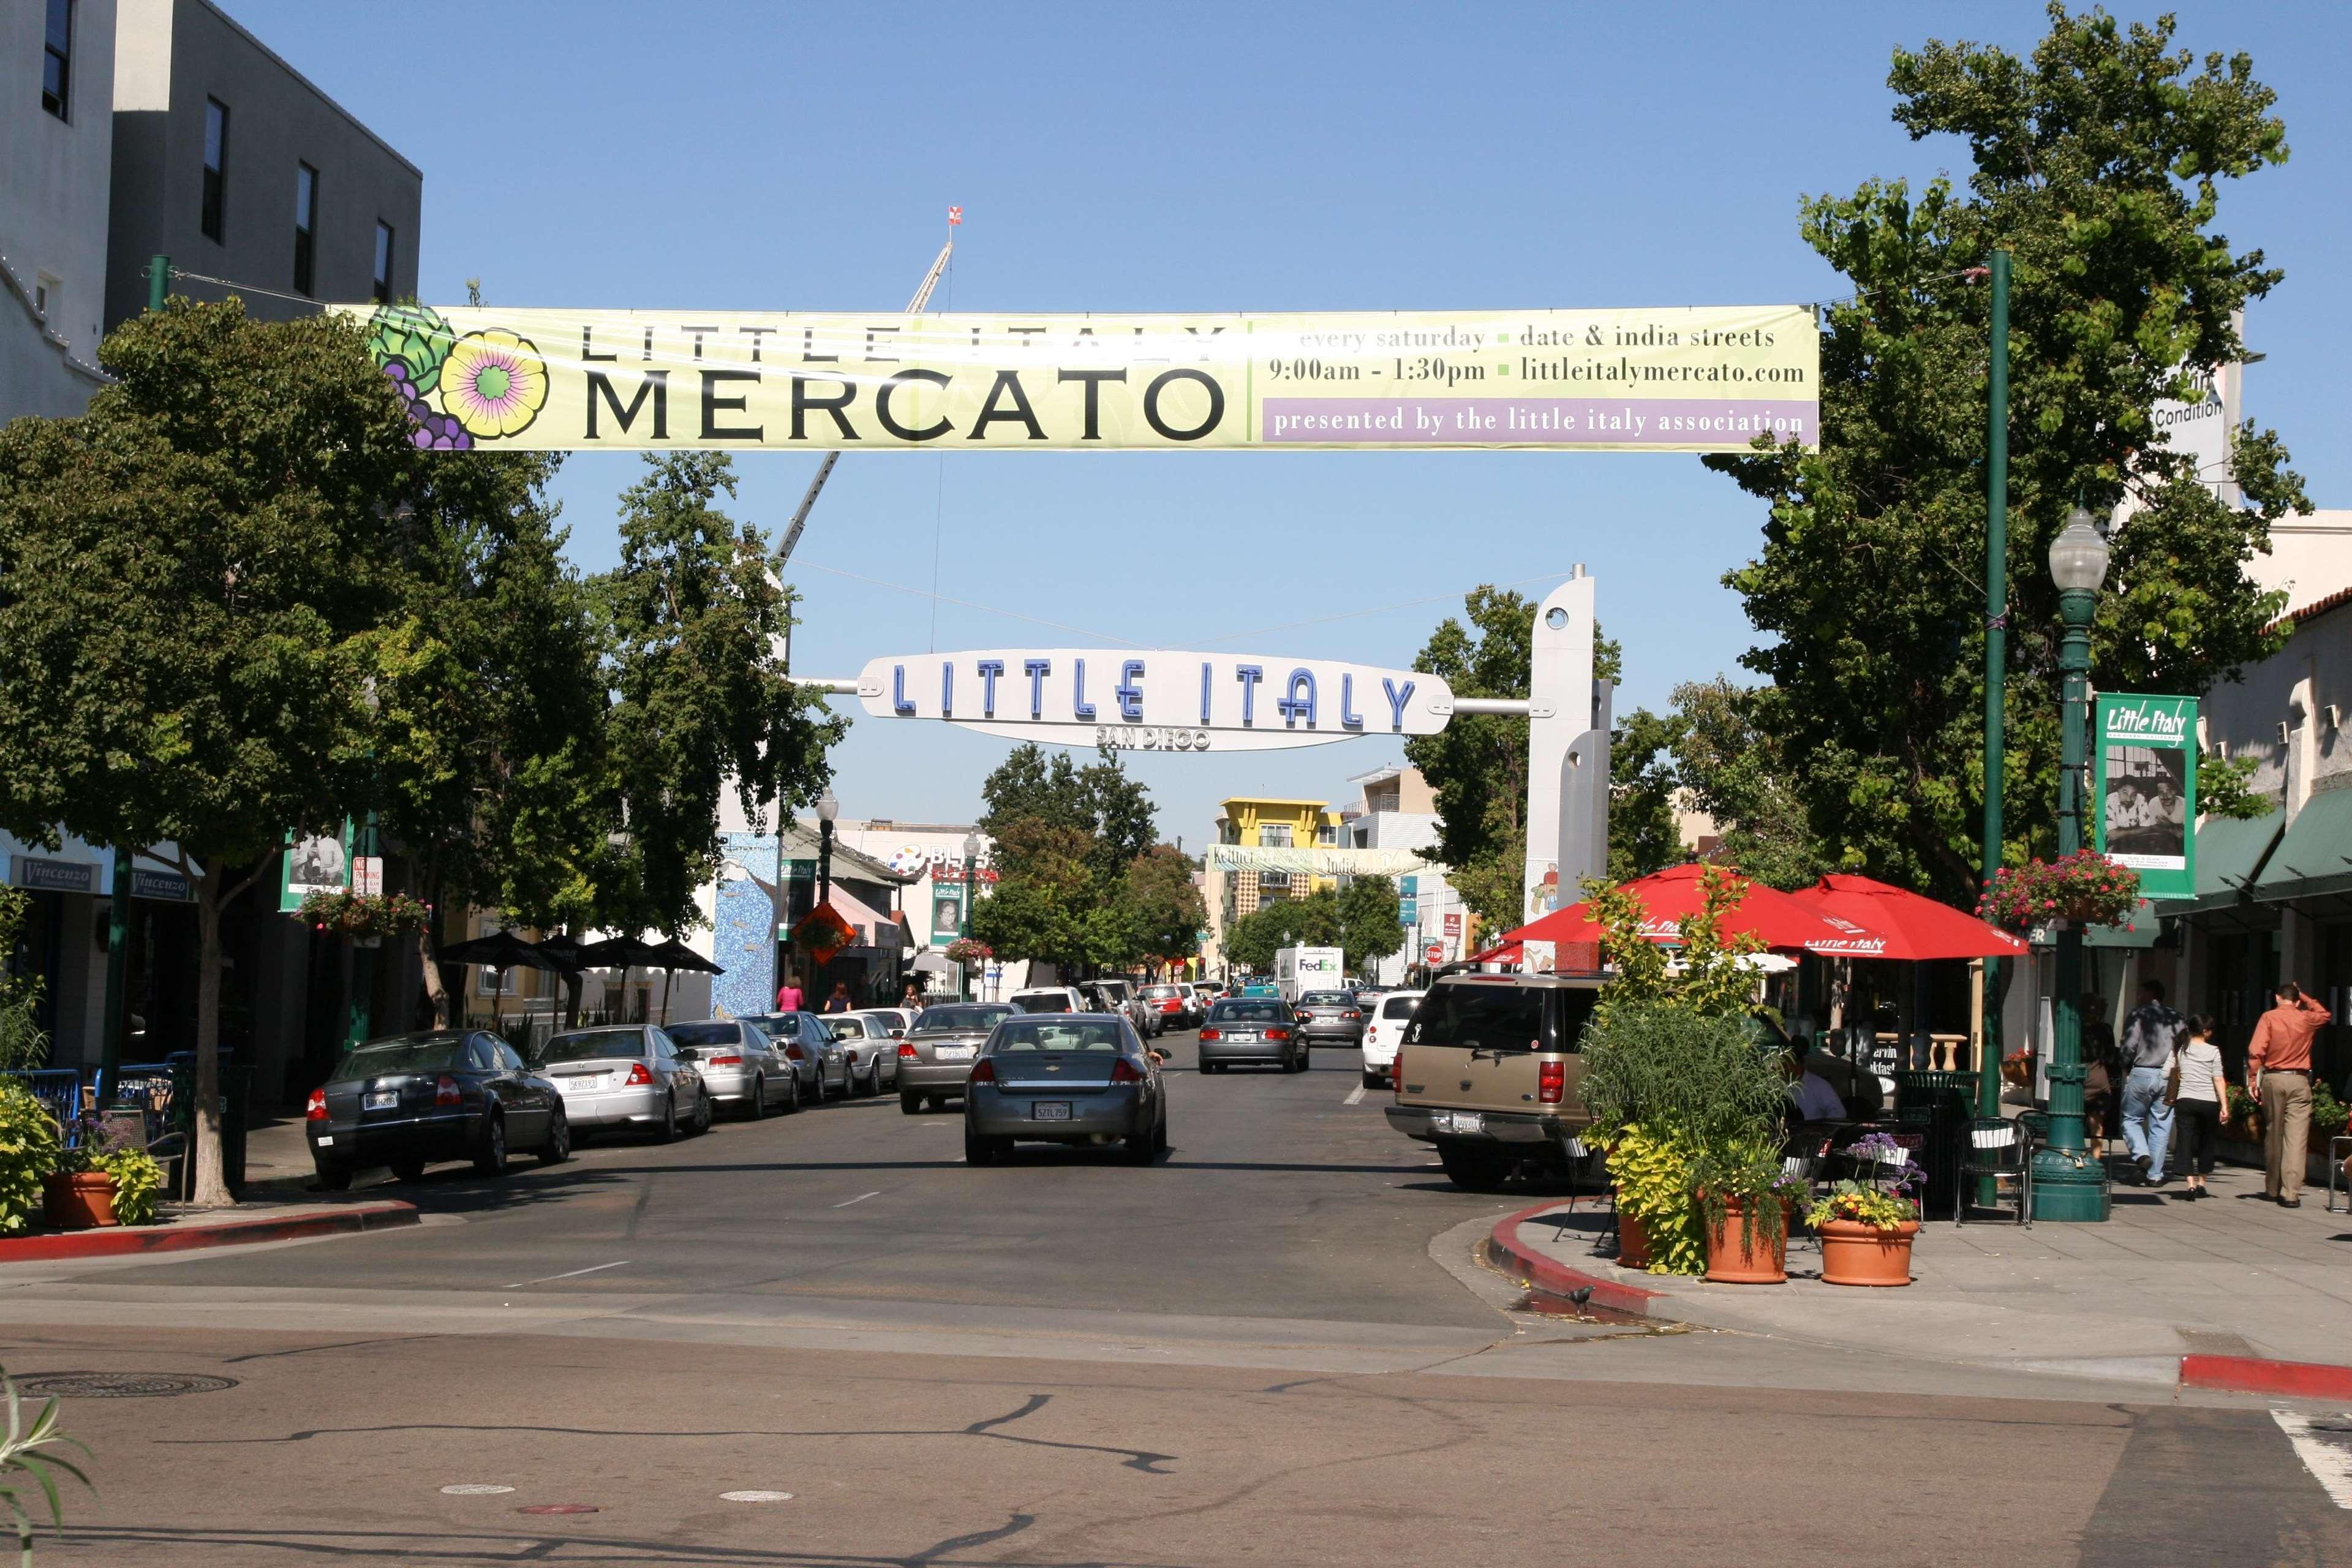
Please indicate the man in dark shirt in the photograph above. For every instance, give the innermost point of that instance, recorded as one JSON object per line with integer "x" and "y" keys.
{"x": 2149, "y": 1035}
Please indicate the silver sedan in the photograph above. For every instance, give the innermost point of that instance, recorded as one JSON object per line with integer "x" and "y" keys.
{"x": 867, "y": 1040}
{"x": 625, "y": 1077}
{"x": 739, "y": 1065}
{"x": 817, "y": 1059}
{"x": 1082, "y": 1078}
{"x": 936, "y": 1058}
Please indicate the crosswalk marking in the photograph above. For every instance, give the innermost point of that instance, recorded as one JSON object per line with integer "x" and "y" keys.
{"x": 1355, "y": 1097}
{"x": 2324, "y": 1443}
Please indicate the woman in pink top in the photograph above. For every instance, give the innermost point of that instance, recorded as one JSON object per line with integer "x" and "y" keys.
{"x": 788, "y": 996}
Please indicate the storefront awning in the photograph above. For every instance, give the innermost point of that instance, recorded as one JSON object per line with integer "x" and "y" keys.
{"x": 2315, "y": 856}
{"x": 2229, "y": 851}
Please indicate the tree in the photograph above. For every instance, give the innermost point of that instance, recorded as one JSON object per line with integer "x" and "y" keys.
{"x": 1358, "y": 918}
{"x": 1734, "y": 771}
{"x": 1644, "y": 834}
{"x": 1068, "y": 840}
{"x": 193, "y": 578}
{"x": 1369, "y": 926}
{"x": 1161, "y": 906}
{"x": 2097, "y": 162}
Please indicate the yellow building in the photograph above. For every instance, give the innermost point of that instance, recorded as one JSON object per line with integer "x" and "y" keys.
{"x": 1264, "y": 822}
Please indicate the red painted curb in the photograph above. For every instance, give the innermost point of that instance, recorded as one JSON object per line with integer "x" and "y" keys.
{"x": 118, "y": 1241}
{"x": 2253, "y": 1375}
{"x": 1520, "y": 1261}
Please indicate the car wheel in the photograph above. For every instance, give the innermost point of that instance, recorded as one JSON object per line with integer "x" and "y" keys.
{"x": 1208, "y": 1066}
{"x": 1476, "y": 1170}
{"x": 756, "y": 1106}
{"x": 408, "y": 1170}
{"x": 706, "y": 1111}
{"x": 1139, "y": 1147}
{"x": 873, "y": 1084}
{"x": 334, "y": 1178}
{"x": 669, "y": 1118}
{"x": 490, "y": 1160}
{"x": 909, "y": 1102}
{"x": 559, "y": 1140}
{"x": 978, "y": 1151}
{"x": 792, "y": 1099}
{"x": 1160, "y": 1136}
{"x": 1375, "y": 1079}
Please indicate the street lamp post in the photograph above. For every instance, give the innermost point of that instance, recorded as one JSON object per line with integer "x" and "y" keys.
{"x": 970, "y": 864}
{"x": 827, "y": 808}
{"x": 2067, "y": 1181}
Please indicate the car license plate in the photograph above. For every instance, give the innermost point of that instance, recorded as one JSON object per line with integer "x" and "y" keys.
{"x": 1241, "y": 1036}
{"x": 1468, "y": 1122}
{"x": 1050, "y": 1111}
{"x": 326, "y": 1139}
{"x": 958, "y": 1053}
{"x": 383, "y": 1098}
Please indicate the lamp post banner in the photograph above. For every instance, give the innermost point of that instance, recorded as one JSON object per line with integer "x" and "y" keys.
{"x": 1676, "y": 379}
{"x": 2144, "y": 763}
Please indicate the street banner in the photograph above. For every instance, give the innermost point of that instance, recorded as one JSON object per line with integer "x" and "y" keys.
{"x": 1677, "y": 379}
{"x": 319, "y": 863}
{"x": 2144, "y": 793}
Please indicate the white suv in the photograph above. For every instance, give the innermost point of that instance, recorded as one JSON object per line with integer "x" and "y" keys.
{"x": 1382, "y": 1029}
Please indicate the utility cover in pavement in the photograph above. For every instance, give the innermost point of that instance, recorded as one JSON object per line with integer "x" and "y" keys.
{"x": 120, "y": 1384}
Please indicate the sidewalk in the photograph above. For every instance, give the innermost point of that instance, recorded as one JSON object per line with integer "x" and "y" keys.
{"x": 2232, "y": 1276}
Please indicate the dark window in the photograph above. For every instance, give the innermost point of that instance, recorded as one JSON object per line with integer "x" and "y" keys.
{"x": 1481, "y": 1016}
{"x": 216, "y": 168}
{"x": 712, "y": 1034}
{"x": 306, "y": 228}
{"x": 56, "y": 59}
{"x": 383, "y": 264}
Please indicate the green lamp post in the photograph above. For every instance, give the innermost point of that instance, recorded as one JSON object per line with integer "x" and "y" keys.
{"x": 964, "y": 921}
{"x": 2068, "y": 1185}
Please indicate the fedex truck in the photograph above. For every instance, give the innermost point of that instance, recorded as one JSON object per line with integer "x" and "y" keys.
{"x": 1298, "y": 969}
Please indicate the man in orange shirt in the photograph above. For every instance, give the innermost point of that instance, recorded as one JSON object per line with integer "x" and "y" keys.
{"x": 2278, "y": 1074}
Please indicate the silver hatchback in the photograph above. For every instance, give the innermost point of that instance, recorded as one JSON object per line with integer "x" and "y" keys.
{"x": 936, "y": 1055}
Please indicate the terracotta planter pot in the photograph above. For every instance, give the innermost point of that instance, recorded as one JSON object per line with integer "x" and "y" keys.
{"x": 78, "y": 1200}
{"x": 1734, "y": 1258}
{"x": 1633, "y": 1242}
{"x": 1853, "y": 1253}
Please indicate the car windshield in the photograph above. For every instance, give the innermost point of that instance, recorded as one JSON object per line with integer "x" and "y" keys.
{"x": 1483, "y": 1015}
{"x": 1041, "y": 1001}
{"x": 1248, "y": 1012}
{"x": 846, "y": 1027}
{"x": 1324, "y": 999}
{"x": 590, "y": 1045}
{"x": 710, "y": 1033}
{"x": 959, "y": 1020}
{"x": 409, "y": 1053}
{"x": 1078, "y": 1034}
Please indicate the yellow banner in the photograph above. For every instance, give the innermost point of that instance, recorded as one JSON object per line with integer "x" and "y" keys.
{"x": 1675, "y": 380}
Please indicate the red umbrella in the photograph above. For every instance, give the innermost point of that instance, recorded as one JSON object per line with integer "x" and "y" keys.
{"x": 1904, "y": 924}
{"x": 1506, "y": 952}
{"x": 1669, "y": 895}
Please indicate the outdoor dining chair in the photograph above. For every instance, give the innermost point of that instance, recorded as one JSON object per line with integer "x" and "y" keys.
{"x": 1999, "y": 1148}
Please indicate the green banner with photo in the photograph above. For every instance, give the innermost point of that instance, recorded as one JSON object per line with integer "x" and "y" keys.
{"x": 2144, "y": 790}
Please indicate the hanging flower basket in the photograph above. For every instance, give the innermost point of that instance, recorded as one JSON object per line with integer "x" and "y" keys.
{"x": 970, "y": 950}
{"x": 347, "y": 913}
{"x": 2085, "y": 887}
{"x": 821, "y": 933}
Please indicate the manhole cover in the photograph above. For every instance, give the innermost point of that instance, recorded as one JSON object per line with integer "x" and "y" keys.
{"x": 120, "y": 1384}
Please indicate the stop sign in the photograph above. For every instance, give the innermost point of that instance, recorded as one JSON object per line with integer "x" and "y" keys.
{"x": 1434, "y": 951}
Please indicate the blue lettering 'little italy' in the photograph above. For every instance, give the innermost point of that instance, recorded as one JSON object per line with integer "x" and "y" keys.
{"x": 1161, "y": 701}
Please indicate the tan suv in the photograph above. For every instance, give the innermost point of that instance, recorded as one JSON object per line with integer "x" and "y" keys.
{"x": 1486, "y": 1071}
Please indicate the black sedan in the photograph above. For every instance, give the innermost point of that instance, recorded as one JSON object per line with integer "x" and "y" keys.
{"x": 440, "y": 1094}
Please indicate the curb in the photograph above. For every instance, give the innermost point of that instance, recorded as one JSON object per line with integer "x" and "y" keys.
{"x": 1521, "y": 1262}
{"x": 2253, "y": 1374}
{"x": 118, "y": 1241}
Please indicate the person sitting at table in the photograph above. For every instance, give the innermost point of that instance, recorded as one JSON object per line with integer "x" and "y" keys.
{"x": 1858, "y": 1086}
{"x": 1810, "y": 1093}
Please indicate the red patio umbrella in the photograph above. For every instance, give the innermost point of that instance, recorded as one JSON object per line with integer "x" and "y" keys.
{"x": 1669, "y": 895}
{"x": 1904, "y": 924}
{"x": 1505, "y": 951}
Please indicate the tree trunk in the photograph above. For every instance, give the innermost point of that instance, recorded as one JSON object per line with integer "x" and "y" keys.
{"x": 212, "y": 1181}
{"x": 572, "y": 985}
{"x": 427, "y": 940}
{"x": 667, "y": 976}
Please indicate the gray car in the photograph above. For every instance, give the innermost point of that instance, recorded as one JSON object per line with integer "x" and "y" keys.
{"x": 936, "y": 1055}
{"x": 1076, "y": 1079}
{"x": 1261, "y": 1030}
{"x": 872, "y": 1049}
{"x": 817, "y": 1058}
{"x": 625, "y": 1076}
{"x": 1331, "y": 1018}
{"x": 739, "y": 1065}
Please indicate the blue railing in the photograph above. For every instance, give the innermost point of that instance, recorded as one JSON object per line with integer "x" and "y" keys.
{"x": 59, "y": 1092}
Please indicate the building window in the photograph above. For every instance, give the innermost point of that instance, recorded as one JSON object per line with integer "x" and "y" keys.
{"x": 1274, "y": 834}
{"x": 45, "y": 291}
{"x": 306, "y": 228}
{"x": 383, "y": 264}
{"x": 56, "y": 59}
{"x": 1328, "y": 833}
{"x": 216, "y": 168}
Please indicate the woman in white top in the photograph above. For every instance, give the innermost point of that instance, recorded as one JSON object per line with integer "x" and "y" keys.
{"x": 2202, "y": 1108}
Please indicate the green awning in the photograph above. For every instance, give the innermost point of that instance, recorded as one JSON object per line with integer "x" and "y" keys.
{"x": 2315, "y": 856}
{"x": 2229, "y": 851}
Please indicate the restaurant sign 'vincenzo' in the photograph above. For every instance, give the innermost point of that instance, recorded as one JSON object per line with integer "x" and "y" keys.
{"x": 1156, "y": 701}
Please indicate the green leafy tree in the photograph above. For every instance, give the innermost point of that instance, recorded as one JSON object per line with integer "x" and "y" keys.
{"x": 1644, "y": 784}
{"x": 1161, "y": 906}
{"x": 192, "y": 576}
{"x": 23, "y": 1043}
{"x": 1358, "y": 918}
{"x": 1068, "y": 840}
{"x": 1369, "y": 926}
{"x": 2098, "y": 161}
{"x": 1733, "y": 770}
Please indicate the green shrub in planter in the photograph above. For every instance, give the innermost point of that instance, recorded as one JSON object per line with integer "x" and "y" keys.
{"x": 138, "y": 1181}
{"x": 28, "y": 1153}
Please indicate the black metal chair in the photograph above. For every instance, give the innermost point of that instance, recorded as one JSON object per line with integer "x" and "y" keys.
{"x": 1997, "y": 1147}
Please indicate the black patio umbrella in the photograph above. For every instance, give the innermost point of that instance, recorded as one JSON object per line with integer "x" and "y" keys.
{"x": 672, "y": 956}
{"x": 562, "y": 947}
{"x": 624, "y": 954}
{"x": 500, "y": 949}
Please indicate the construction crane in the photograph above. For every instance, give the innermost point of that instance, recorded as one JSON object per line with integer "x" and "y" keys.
{"x": 824, "y": 469}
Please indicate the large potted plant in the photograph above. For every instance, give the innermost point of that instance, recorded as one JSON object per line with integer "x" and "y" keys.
{"x": 1867, "y": 1222}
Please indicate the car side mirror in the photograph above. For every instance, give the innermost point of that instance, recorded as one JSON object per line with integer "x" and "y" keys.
{"x": 689, "y": 1054}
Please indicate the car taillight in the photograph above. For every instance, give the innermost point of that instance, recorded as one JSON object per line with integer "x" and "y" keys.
{"x": 1396, "y": 1071}
{"x": 1124, "y": 1071}
{"x": 726, "y": 1061}
{"x": 317, "y": 1110}
{"x": 1351, "y": 1013}
{"x": 1551, "y": 1082}
{"x": 794, "y": 1053}
{"x": 1277, "y": 1034}
{"x": 444, "y": 1090}
{"x": 637, "y": 1073}
{"x": 1209, "y": 1032}
{"x": 908, "y": 1053}
{"x": 984, "y": 1071}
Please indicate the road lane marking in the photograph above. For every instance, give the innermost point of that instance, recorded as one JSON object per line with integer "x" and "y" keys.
{"x": 2324, "y": 1443}
{"x": 859, "y": 1199}
{"x": 574, "y": 1274}
{"x": 755, "y": 1496}
{"x": 1355, "y": 1097}
{"x": 475, "y": 1488}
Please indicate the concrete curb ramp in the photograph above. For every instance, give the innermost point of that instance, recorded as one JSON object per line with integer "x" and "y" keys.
{"x": 121, "y": 1241}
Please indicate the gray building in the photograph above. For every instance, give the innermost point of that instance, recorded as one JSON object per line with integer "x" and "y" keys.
{"x": 227, "y": 160}
{"x": 56, "y": 126}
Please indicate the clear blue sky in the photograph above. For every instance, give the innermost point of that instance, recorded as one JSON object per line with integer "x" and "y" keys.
{"x": 1227, "y": 157}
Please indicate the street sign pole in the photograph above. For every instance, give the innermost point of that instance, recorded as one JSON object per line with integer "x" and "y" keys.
{"x": 1996, "y": 676}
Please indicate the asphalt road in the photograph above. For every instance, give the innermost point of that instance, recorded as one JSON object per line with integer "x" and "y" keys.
{"x": 1272, "y": 1348}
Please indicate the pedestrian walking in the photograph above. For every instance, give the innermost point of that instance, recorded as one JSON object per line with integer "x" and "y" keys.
{"x": 2150, "y": 1035}
{"x": 2278, "y": 1074}
{"x": 2201, "y": 1107}
{"x": 788, "y": 996}
{"x": 913, "y": 998}
{"x": 839, "y": 1001}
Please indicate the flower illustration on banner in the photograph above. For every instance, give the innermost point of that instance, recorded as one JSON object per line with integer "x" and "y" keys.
{"x": 494, "y": 384}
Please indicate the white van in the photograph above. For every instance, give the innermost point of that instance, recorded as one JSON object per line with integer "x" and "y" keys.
{"x": 1302, "y": 969}
{"x": 1050, "y": 999}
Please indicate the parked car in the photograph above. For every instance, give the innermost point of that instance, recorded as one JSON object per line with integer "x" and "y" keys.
{"x": 1487, "y": 1072}
{"x": 1261, "y": 1030}
{"x": 817, "y": 1058}
{"x": 1174, "y": 1005}
{"x": 1115, "y": 996}
{"x": 936, "y": 1058}
{"x": 740, "y": 1067}
{"x": 1077, "y": 1078}
{"x": 626, "y": 1076}
{"x": 872, "y": 1049}
{"x": 1048, "y": 999}
{"x": 900, "y": 1019}
{"x": 1385, "y": 1023}
{"x": 407, "y": 1101}
{"x": 1331, "y": 1018}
